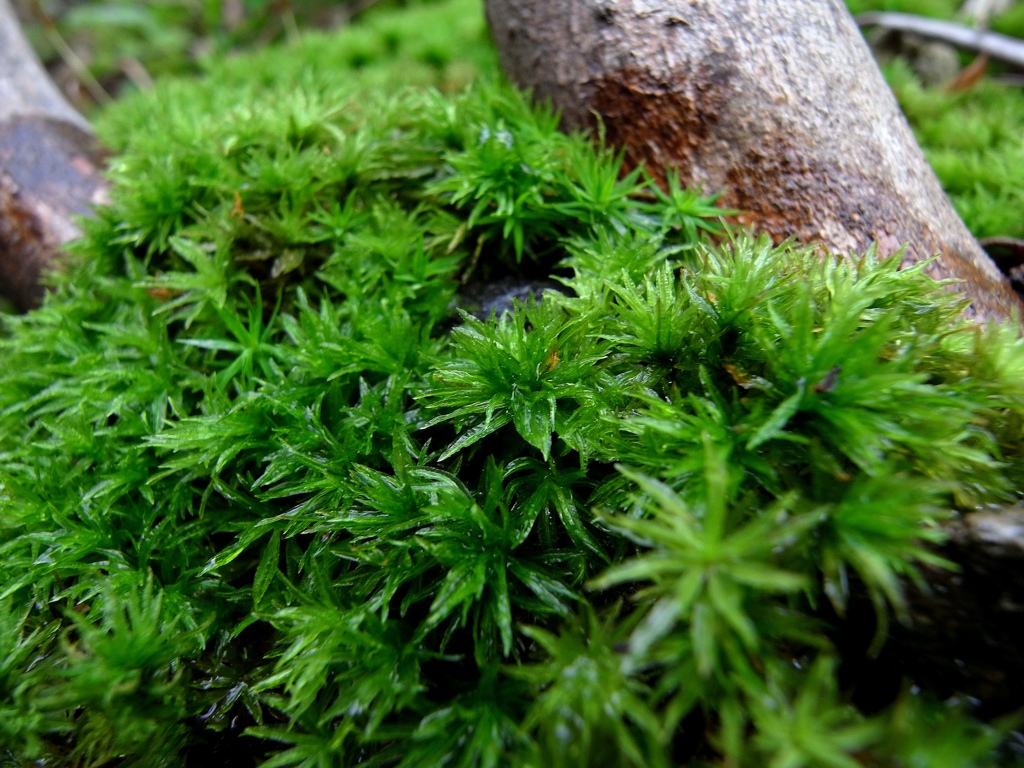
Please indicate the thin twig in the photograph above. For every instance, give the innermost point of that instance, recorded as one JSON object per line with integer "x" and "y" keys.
{"x": 74, "y": 62}
{"x": 1004, "y": 48}
{"x": 135, "y": 71}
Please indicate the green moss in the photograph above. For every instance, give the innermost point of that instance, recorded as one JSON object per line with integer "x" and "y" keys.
{"x": 268, "y": 495}
{"x": 120, "y": 45}
{"x": 1010, "y": 22}
{"x": 942, "y": 9}
{"x": 444, "y": 44}
{"x": 975, "y": 142}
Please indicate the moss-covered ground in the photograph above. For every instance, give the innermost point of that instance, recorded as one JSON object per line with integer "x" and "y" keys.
{"x": 278, "y": 487}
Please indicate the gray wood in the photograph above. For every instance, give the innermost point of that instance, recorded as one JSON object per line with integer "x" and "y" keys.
{"x": 25, "y": 87}
{"x": 48, "y": 168}
{"x": 778, "y": 103}
{"x": 1008, "y": 50}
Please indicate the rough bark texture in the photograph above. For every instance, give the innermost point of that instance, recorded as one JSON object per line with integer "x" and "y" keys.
{"x": 778, "y": 103}
{"x": 48, "y": 167}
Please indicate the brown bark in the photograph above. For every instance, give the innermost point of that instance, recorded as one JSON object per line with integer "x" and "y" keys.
{"x": 48, "y": 168}
{"x": 779, "y": 104}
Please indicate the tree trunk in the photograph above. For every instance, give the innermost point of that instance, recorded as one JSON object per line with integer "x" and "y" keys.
{"x": 779, "y": 104}
{"x": 48, "y": 167}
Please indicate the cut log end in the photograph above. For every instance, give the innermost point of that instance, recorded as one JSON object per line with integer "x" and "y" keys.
{"x": 49, "y": 175}
{"x": 49, "y": 168}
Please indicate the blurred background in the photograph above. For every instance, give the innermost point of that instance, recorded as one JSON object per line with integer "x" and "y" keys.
{"x": 96, "y": 49}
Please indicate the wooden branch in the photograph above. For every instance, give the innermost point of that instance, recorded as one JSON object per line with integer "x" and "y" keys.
{"x": 49, "y": 168}
{"x": 1008, "y": 50}
{"x": 778, "y": 103}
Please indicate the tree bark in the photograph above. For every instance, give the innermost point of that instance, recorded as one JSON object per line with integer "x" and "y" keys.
{"x": 779, "y": 104}
{"x": 49, "y": 167}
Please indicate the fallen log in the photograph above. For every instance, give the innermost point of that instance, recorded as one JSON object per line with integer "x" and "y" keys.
{"x": 778, "y": 104}
{"x": 49, "y": 168}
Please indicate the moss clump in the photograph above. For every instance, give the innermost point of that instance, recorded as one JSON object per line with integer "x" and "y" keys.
{"x": 267, "y": 496}
{"x": 118, "y": 44}
{"x": 975, "y": 142}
